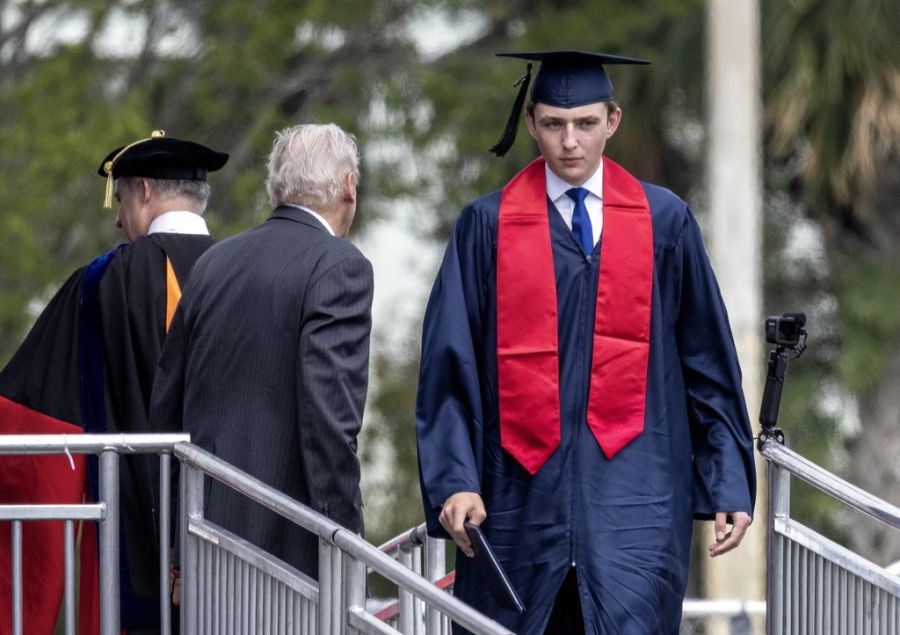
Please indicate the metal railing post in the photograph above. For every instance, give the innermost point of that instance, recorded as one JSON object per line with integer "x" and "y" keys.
{"x": 109, "y": 543}
{"x": 354, "y": 586}
{"x": 337, "y": 585}
{"x": 326, "y": 553}
{"x": 70, "y": 577}
{"x": 165, "y": 484}
{"x": 779, "y": 509}
{"x": 17, "y": 595}
{"x": 435, "y": 569}
{"x": 191, "y": 502}
{"x": 406, "y": 623}
{"x": 418, "y": 613}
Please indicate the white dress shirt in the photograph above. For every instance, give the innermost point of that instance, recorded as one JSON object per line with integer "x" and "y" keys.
{"x": 320, "y": 218}
{"x": 556, "y": 191}
{"x": 178, "y": 222}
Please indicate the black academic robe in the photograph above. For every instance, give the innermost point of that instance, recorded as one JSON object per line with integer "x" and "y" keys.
{"x": 624, "y": 523}
{"x": 87, "y": 365}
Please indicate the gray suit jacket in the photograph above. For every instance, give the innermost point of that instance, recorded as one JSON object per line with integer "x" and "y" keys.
{"x": 266, "y": 366}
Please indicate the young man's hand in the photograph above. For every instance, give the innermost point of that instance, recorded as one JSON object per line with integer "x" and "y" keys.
{"x": 728, "y": 540}
{"x": 460, "y": 508}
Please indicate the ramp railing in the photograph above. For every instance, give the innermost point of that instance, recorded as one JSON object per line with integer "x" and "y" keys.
{"x": 231, "y": 586}
{"x": 228, "y": 584}
{"x": 815, "y": 585}
{"x": 105, "y": 511}
{"x": 426, "y": 556}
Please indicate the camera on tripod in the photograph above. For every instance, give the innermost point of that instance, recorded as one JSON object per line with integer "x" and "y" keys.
{"x": 789, "y": 337}
{"x": 786, "y": 331}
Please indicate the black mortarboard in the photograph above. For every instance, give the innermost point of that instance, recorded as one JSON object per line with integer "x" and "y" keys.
{"x": 565, "y": 79}
{"x": 160, "y": 157}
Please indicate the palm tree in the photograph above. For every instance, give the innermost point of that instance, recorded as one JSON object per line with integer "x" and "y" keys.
{"x": 832, "y": 70}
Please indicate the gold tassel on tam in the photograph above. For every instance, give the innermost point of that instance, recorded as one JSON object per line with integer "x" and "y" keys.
{"x": 109, "y": 165}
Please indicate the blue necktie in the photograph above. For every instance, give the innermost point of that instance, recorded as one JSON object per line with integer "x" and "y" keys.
{"x": 581, "y": 222}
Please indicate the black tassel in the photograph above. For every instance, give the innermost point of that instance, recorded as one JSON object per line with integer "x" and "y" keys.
{"x": 512, "y": 124}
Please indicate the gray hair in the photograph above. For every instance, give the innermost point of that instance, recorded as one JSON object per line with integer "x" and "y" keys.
{"x": 197, "y": 191}
{"x": 308, "y": 165}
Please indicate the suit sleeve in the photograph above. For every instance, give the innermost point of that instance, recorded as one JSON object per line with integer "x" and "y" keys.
{"x": 333, "y": 378}
{"x": 725, "y": 475}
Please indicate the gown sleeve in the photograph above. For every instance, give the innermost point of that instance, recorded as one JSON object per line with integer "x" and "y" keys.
{"x": 449, "y": 419}
{"x": 725, "y": 475}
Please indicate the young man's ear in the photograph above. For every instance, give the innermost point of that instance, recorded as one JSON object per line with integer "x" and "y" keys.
{"x": 529, "y": 122}
{"x": 613, "y": 121}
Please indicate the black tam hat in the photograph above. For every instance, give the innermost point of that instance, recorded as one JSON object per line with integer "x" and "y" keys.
{"x": 160, "y": 157}
{"x": 565, "y": 79}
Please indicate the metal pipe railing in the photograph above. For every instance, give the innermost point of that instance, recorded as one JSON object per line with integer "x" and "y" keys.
{"x": 814, "y": 585}
{"x": 331, "y": 535}
{"x": 415, "y": 536}
{"x": 17, "y": 576}
{"x": 841, "y": 556}
{"x": 105, "y": 512}
{"x": 832, "y": 485}
{"x": 69, "y": 593}
{"x": 90, "y": 443}
{"x": 165, "y": 523}
{"x": 109, "y": 542}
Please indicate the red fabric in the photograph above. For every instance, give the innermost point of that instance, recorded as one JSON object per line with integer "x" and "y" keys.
{"x": 527, "y": 329}
{"x": 527, "y": 346}
{"x": 622, "y": 324}
{"x": 41, "y": 480}
{"x": 89, "y": 582}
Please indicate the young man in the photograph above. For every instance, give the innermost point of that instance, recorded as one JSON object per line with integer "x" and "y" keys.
{"x": 580, "y": 394}
{"x": 88, "y": 366}
{"x": 267, "y": 361}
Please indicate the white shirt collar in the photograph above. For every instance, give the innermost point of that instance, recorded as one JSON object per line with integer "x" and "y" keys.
{"x": 556, "y": 187}
{"x": 178, "y": 222}
{"x": 318, "y": 216}
{"x": 593, "y": 202}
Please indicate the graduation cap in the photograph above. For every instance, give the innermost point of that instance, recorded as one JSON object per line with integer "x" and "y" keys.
{"x": 159, "y": 157}
{"x": 565, "y": 79}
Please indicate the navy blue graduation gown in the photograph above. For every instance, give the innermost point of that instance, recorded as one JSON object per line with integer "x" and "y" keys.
{"x": 624, "y": 524}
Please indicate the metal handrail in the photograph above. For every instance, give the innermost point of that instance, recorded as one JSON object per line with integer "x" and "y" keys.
{"x": 90, "y": 443}
{"x": 336, "y": 535}
{"x": 723, "y": 608}
{"x": 821, "y": 479}
{"x": 105, "y": 511}
{"x": 832, "y": 551}
{"x": 415, "y": 536}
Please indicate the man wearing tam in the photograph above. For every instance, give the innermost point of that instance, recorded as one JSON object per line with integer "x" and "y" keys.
{"x": 88, "y": 365}
{"x": 580, "y": 396}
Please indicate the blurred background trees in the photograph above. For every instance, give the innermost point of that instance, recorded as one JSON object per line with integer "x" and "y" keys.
{"x": 418, "y": 84}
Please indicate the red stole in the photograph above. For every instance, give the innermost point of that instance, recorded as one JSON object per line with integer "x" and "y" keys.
{"x": 527, "y": 330}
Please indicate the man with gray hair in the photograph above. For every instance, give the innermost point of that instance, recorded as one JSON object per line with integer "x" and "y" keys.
{"x": 267, "y": 361}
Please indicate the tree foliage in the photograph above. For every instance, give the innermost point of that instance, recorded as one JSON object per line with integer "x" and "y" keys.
{"x": 832, "y": 71}
{"x": 79, "y": 78}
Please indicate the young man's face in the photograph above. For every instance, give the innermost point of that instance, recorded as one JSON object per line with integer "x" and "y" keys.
{"x": 572, "y": 140}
